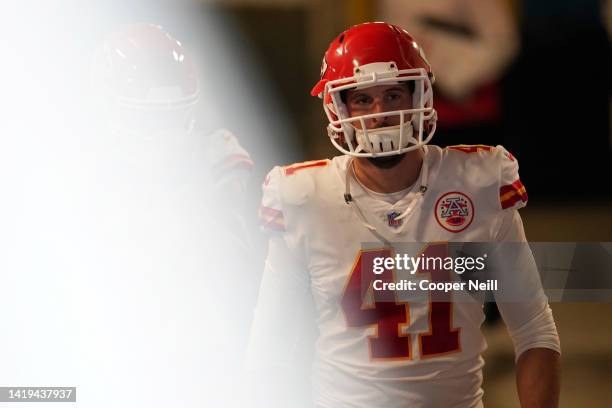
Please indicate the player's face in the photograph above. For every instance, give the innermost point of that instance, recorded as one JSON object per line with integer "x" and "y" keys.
{"x": 378, "y": 99}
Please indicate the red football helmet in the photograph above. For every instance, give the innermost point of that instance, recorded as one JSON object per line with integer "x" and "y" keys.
{"x": 367, "y": 55}
{"x": 148, "y": 79}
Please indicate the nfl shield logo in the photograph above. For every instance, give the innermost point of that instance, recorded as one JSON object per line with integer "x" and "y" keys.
{"x": 391, "y": 219}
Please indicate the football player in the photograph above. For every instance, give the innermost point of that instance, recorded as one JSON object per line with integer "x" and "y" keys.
{"x": 161, "y": 215}
{"x": 377, "y": 348}
{"x": 148, "y": 91}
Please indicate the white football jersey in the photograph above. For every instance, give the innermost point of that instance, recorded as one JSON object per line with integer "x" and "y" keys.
{"x": 373, "y": 351}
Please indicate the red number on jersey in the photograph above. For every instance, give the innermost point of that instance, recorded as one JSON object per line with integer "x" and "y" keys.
{"x": 387, "y": 315}
{"x": 364, "y": 306}
{"x": 442, "y": 337}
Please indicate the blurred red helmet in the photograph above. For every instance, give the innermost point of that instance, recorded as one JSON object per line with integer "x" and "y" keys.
{"x": 372, "y": 54}
{"x": 147, "y": 73}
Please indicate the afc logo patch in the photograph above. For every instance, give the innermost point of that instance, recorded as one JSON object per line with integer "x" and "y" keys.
{"x": 454, "y": 211}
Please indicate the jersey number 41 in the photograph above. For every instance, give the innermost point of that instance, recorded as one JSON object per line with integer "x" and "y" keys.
{"x": 389, "y": 316}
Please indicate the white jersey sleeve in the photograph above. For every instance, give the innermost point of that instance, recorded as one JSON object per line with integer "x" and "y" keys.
{"x": 284, "y": 293}
{"x": 284, "y": 301}
{"x": 522, "y": 302}
{"x": 282, "y": 332}
{"x": 512, "y": 193}
{"x": 271, "y": 210}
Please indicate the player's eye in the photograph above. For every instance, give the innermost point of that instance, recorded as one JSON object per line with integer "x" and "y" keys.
{"x": 361, "y": 100}
{"x": 394, "y": 96}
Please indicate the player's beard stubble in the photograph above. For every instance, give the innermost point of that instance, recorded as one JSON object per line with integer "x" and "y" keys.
{"x": 386, "y": 162}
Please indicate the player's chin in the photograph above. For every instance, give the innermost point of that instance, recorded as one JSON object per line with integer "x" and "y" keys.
{"x": 386, "y": 162}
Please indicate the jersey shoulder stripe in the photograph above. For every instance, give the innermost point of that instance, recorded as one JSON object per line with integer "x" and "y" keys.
{"x": 293, "y": 168}
{"x": 470, "y": 148}
{"x": 511, "y": 194}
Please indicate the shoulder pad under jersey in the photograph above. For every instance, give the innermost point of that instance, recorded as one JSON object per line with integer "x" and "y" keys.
{"x": 284, "y": 187}
{"x": 512, "y": 193}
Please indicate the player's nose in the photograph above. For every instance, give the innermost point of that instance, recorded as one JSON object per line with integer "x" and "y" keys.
{"x": 378, "y": 106}
{"x": 379, "y": 121}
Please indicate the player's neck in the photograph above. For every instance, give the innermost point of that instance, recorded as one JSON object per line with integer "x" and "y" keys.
{"x": 397, "y": 178}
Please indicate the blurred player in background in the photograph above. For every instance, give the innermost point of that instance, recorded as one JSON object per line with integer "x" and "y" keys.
{"x": 148, "y": 89}
{"x": 151, "y": 145}
{"x": 382, "y": 348}
{"x": 124, "y": 243}
{"x": 165, "y": 222}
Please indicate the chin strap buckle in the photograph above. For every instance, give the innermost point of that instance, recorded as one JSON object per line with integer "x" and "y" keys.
{"x": 348, "y": 198}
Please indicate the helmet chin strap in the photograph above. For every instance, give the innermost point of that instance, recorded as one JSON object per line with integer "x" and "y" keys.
{"x": 348, "y": 198}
